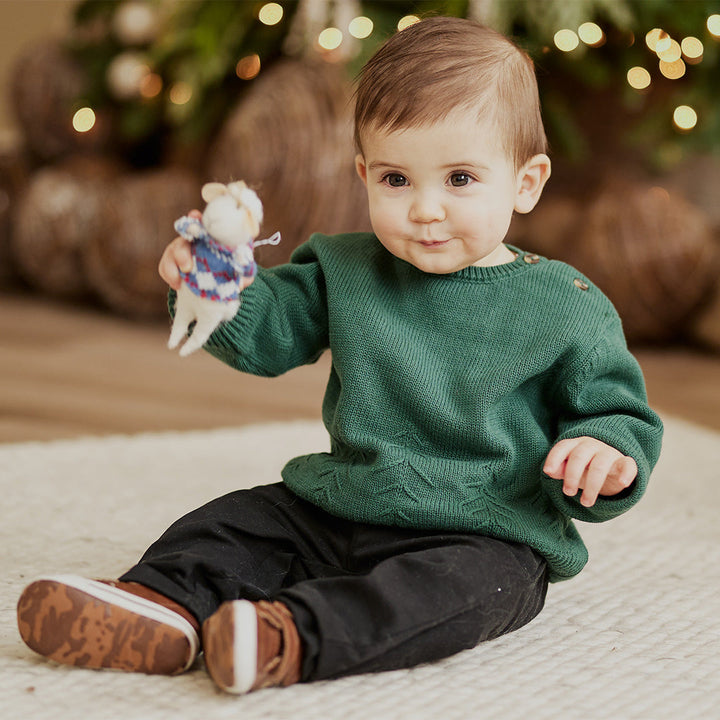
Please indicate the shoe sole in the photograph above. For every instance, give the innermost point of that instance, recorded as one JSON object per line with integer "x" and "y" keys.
{"x": 230, "y": 646}
{"x": 85, "y": 623}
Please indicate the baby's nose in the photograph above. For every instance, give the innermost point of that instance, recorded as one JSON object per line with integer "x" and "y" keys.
{"x": 426, "y": 207}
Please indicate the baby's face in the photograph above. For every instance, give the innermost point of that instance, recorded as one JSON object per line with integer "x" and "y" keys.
{"x": 441, "y": 196}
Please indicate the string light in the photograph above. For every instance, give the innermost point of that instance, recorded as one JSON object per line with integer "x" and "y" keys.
{"x": 685, "y": 118}
{"x": 407, "y": 21}
{"x": 670, "y": 54}
{"x": 566, "y": 40}
{"x": 713, "y": 25}
{"x": 591, "y": 34}
{"x": 248, "y": 67}
{"x": 360, "y": 27}
{"x": 638, "y": 78}
{"x": 270, "y": 14}
{"x": 330, "y": 38}
{"x": 84, "y": 120}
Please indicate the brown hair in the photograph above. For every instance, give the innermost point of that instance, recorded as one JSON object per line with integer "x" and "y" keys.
{"x": 436, "y": 65}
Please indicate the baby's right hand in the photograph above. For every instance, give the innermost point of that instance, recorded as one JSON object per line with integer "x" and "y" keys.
{"x": 176, "y": 257}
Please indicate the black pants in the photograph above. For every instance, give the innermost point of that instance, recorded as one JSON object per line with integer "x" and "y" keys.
{"x": 364, "y": 597}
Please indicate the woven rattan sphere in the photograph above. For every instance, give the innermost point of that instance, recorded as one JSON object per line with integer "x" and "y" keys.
{"x": 14, "y": 171}
{"x": 46, "y": 83}
{"x": 60, "y": 210}
{"x": 654, "y": 255}
{"x": 121, "y": 263}
{"x": 290, "y": 138}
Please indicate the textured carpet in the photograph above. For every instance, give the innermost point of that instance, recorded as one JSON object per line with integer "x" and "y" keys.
{"x": 636, "y": 635}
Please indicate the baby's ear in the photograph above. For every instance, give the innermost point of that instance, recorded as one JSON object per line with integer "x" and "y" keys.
{"x": 361, "y": 168}
{"x": 530, "y": 182}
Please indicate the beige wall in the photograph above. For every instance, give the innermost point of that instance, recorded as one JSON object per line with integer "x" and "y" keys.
{"x": 21, "y": 23}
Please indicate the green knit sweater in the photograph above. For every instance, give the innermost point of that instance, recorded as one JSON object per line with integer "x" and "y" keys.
{"x": 447, "y": 391}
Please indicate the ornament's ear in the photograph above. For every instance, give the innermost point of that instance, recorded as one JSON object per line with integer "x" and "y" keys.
{"x": 213, "y": 190}
{"x": 237, "y": 190}
{"x": 254, "y": 225}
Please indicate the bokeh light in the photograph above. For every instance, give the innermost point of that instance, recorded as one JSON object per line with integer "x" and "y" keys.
{"x": 670, "y": 53}
{"x": 248, "y": 67}
{"x": 125, "y": 74}
{"x": 713, "y": 25}
{"x": 685, "y": 117}
{"x": 638, "y": 78}
{"x": 591, "y": 34}
{"x": 151, "y": 86}
{"x": 360, "y": 27}
{"x": 407, "y": 21}
{"x": 566, "y": 40}
{"x": 652, "y": 37}
{"x": 664, "y": 42}
{"x": 270, "y": 13}
{"x": 692, "y": 49}
{"x": 672, "y": 70}
{"x": 330, "y": 38}
{"x": 180, "y": 93}
{"x": 84, "y": 120}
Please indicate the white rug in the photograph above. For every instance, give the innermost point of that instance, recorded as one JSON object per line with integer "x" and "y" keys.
{"x": 636, "y": 635}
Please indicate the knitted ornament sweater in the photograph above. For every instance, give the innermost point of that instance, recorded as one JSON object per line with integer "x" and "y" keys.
{"x": 447, "y": 391}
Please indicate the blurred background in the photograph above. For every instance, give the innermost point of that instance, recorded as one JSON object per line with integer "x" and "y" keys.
{"x": 114, "y": 113}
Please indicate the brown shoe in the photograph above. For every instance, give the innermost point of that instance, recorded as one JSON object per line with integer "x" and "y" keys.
{"x": 93, "y": 624}
{"x": 251, "y": 645}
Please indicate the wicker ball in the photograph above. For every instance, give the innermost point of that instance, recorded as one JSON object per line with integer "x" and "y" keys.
{"x": 290, "y": 138}
{"x": 706, "y": 330}
{"x": 547, "y": 228}
{"x": 46, "y": 83}
{"x": 653, "y": 254}
{"x": 60, "y": 210}
{"x": 13, "y": 177}
{"x": 698, "y": 178}
{"x": 121, "y": 263}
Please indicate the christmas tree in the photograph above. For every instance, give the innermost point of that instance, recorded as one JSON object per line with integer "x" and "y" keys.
{"x": 641, "y": 73}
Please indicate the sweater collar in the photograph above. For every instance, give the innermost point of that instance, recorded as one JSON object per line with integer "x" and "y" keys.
{"x": 522, "y": 263}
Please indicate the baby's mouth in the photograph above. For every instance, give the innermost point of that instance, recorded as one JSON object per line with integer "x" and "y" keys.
{"x": 433, "y": 243}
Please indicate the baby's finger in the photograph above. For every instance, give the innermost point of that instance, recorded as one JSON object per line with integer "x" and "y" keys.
{"x": 555, "y": 461}
{"x": 176, "y": 257}
{"x": 597, "y": 473}
{"x": 577, "y": 464}
{"x": 625, "y": 472}
{"x": 182, "y": 254}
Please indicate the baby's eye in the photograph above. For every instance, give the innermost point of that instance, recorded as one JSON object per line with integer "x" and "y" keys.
{"x": 395, "y": 180}
{"x": 460, "y": 179}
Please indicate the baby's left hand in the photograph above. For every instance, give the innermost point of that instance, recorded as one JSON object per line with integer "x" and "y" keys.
{"x": 591, "y": 465}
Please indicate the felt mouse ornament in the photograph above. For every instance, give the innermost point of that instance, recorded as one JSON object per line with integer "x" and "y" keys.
{"x": 223, "y": 265}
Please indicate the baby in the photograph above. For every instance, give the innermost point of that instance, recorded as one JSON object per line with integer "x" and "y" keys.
{"x": 480, "y": 399}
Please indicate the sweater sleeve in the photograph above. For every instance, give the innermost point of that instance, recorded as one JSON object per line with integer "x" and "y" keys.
{"x": 282, "y": 320}
{"x": 603, "y": 396}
